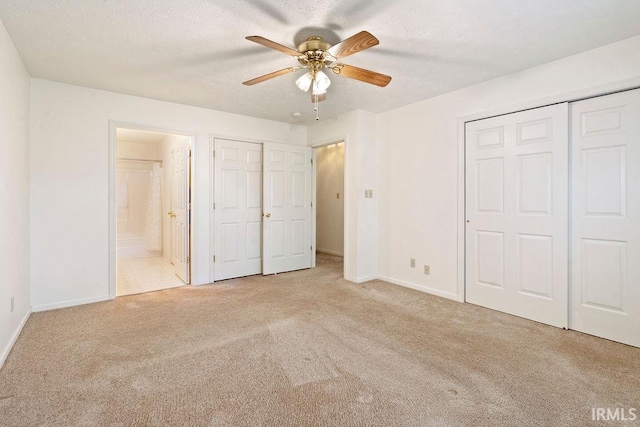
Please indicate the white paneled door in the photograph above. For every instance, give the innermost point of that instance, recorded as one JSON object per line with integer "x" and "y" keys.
{"x": 516, "y": 213}
{"x": 238, "y": 209}
{"x": 605, "y": 290}
{"x": 287, "y": 208}
{"x": 181, "y": 212}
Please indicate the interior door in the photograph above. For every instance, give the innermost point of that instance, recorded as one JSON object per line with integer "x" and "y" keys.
{"x": 180, "y": 222}
{"x": 238, "y": 209}
{"x": 516, "y": 211}
{"x": 172, "y": 216}
{"x": 605, "y": 289}
{"x": 287, "y": 208}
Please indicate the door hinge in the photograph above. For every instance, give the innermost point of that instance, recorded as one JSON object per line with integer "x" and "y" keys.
{"x": 311, "y": 204}
{"x": 189, "y": 153}
{"x": 189, "y": 206}
{"x": 311, "y": 247}
{"x": 214, "y": 258}
{"x": 188, "y": 260}
{"x": 214, "y": 206}
{"x": 311, "y": 161}
{"x": 214, "y": 154}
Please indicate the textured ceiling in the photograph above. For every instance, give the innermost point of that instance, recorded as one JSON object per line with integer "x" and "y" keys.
{"x": 194, "y": 52}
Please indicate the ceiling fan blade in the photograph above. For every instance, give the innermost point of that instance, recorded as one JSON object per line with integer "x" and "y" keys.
{"x": 270, "y": 76}
{"x": 273, "y": 45}
{"x": 320, "y": 98}
{"x": 361, "y": 74}
{"x": 354, "y": 44}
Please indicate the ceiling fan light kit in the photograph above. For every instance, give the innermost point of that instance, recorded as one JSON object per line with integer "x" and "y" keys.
{"x": 304, "y": 82}
{"x": 321, "y": 83}
{"x": 314, "y": 55}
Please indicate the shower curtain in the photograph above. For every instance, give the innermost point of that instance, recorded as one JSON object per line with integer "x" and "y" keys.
{"x": 154, "y": 210}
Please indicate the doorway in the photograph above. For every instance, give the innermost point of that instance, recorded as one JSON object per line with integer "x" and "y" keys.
{"x": 330, "y": 202}
{"x": 152, "y": 202}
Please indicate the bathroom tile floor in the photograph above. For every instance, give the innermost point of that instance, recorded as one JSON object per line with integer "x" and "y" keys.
{"x": 139, "y": 275}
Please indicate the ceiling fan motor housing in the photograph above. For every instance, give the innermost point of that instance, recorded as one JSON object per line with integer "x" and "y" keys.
{"x": 314, "y": 51}
{"x": 313, "y": 43}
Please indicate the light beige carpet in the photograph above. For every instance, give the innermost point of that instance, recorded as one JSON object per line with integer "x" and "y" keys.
{"x": 307, "y": 348}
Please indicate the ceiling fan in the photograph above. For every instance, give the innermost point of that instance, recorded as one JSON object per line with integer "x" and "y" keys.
{"x": 315, "y": 54}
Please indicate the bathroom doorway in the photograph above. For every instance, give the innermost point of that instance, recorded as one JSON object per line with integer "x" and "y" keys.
{"x": 152, "y": 203}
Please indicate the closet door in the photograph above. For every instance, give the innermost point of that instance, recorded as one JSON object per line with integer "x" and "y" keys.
{"x": 238, "y": 209}
{"x": 605, "y": 289}
{"x": 516, "y": 212}
{"x": 287, "y": 208}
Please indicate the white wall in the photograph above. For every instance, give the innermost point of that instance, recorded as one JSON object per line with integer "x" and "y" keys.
{"x": 368, "y": 179}
{"x": 407, "y": 156}
{"x": 330, "y": 199}
{"x": 14, "y": 194}
{"x": 419, "y": 145}
{"x": 358, "y": 131}
{"x": 70, "y": 181}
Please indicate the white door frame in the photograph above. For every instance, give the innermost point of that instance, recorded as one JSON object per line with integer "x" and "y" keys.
{"x": 577, "y": 95}
{"x": 113, "y": 145}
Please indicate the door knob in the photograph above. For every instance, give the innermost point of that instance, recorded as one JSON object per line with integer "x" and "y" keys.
{"x": 171, "y": 214}
{"x": 268, "y": 215}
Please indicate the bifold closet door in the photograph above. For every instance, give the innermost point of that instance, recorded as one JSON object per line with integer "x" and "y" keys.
{"x": 287, "y": 208}
{"x": 238, "y": 209}
{"x": 517, "y": 214}
{"x": 605, "y": 290}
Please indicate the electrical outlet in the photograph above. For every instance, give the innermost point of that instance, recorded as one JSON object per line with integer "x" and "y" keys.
{"x": 412, "y": 263}
{"x": 426, "y": 270}
{"x": 12, "y": 304}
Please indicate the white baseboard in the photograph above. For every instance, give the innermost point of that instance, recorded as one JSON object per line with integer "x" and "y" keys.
{"x": 14, "y": 338}
{"x": 351, "y": 279}
{"x": 420, "y": 288}
{"x": 365, "y": 279}
{"x": 72, "y": 303}
{"x": 327, "y": 251}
